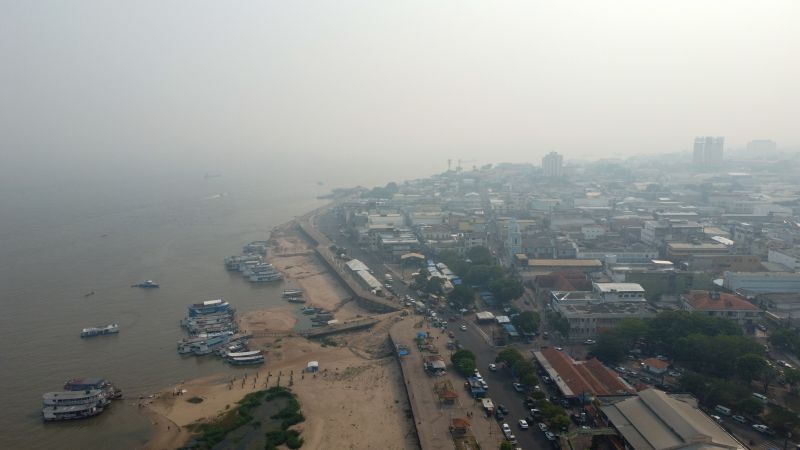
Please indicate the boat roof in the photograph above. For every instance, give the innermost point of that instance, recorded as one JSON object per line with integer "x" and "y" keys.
{"x": 93, "y": 381}
{"x": 248, "y": 358}
{"x": 212, "y": 302}
{"x": 71, "y": 394}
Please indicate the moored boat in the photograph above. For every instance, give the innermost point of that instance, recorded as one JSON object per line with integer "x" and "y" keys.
{"x": 246, "y": 360}
{"x": 288, "y": 293}
{"x": 90, "y": 383}
{"x": 296, "y": 300}
{"x": 72, "y": 412}
{"x": 147, "y": 284}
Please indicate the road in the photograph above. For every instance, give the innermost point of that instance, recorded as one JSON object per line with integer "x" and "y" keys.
{"x": 500, "y": 390}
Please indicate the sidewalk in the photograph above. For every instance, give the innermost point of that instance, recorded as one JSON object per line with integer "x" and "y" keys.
{"x": 432, "y": 416}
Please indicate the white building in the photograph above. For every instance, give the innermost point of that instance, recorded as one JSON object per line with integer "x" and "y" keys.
{"x": 788, "y": 257}
{"x": 619, "y": 292}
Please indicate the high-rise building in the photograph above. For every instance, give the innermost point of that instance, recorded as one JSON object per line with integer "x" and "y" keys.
{"x": 707, "y": 151}
{"x": 552, "y": 165}
{"x": 761, "y": 147}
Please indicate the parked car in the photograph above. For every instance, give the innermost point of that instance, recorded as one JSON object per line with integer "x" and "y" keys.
{"x": 739, "y": 419}
{"x": 763, "y": 429}
{"x": 590, "y": 342}
{"x": 463, "y": 327}
{"x": 542, "y": 426}
{"x": 502, "y": 408}
{"x": 493, "y": 367}
{"x": 518, "y": 387}
{"x": 499, "y": 414}
{"x": 550, "y": 436}
{"x": 620, "y": 369}
{"x": 523, "y": 424}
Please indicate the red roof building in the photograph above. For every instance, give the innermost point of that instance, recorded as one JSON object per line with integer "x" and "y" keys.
{"x": 576, "y": 379}
{"x": 721, "y": 304}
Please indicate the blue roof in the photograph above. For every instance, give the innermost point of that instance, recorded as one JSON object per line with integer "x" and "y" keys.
{"x": 510, "y": 329}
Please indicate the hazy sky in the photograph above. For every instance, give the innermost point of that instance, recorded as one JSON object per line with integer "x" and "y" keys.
{"x": 113, "y": 82}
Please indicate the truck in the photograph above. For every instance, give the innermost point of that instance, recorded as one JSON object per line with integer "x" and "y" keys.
{"x": 488, "y": 406}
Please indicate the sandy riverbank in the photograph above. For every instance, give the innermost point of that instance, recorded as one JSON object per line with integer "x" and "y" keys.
{"x": 357, "y": 401}
{"x": 295, "y": 258}
{"x": 351, "y": 403}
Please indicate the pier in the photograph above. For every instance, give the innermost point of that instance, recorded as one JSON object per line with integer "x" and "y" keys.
{"x": 339, "y": 328}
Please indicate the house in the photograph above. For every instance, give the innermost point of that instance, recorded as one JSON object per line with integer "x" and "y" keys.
{"x": 720, "y": 304}
{"x": 655, "y": 366}
{"x": 435, "y": 365}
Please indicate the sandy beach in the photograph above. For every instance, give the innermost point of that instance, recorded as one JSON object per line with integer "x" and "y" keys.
{"x": 334, "y": 400}
{"x": 356, "y": 401}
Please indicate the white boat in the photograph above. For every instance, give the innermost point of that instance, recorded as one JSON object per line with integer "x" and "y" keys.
{"x": 247, "y": 360}
{"x": 100, "y": 330}
{"x": 243, "y": 354}
{"x": 288, "y": 293}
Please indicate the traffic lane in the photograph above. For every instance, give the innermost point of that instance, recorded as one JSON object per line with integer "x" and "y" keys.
{"x": 500, "y": 389}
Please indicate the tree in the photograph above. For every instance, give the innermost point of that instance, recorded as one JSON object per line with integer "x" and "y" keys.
{"x": 768, "y": 376}
{"x": 506, "y": 445}
{"x": 560, "y": 421}
{"x": 610, "y": 348}
{"x": 748, "y": 366}
{"x": 480, "y": 255}
{"x": 509, "y": 357}
{"x": 506, "y": 289}
{"x": 559, "y": 323}
{"x": 464, "y": 362}
{"x": 792, "y": 377}
{"x": 781, "y": 419}
{"x": 463, "y": 296}
{"x": 526, "y": 321}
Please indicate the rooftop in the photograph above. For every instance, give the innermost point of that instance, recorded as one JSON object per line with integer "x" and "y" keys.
{"x": 655, "y": 420}
{"x": 716, "y": 301}
{"x": 618, "y": 287}
{"x": 565, "y": 263}
{"x": 577, "y": 378}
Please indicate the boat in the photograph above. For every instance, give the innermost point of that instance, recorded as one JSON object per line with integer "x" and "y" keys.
{"x": 146, "y": 284}
{"x": 296, "y": 300}
{"x": 95, "y": 397}
{"x": 259, "y": 247}
{"x": 208, "y": 307}
{"x": 73, "y": 412}
{"x": 246, "y": 360}
{"x": 309, "y": 310}
{"x": 288, "y": 293}
{"x": 265, "y": 277}
{"x": 100, "y": 330}
{"x": 243, "y": 354}
{"x": 235, "y": 262}
{"x": 90, "y": 383}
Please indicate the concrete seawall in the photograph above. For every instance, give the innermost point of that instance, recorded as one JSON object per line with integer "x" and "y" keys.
{"x": 415, "y": 414}
{"x": 365, "y": 299}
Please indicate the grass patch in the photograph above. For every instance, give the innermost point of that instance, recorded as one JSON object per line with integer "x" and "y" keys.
{"x": 195, "y": 400}
{"x": 328, "y": 342}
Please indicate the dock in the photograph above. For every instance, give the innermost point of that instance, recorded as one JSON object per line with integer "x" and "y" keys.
{"x": 339, "y": 328}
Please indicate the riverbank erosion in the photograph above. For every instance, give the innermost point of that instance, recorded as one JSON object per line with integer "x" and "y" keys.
{"x": 350, "y": 402}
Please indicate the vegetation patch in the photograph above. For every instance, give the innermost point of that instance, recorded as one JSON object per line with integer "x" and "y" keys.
{"x": 195, "y": 400}
{"x": 268, "y": 413}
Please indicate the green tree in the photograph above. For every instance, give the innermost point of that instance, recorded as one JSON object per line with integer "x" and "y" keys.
{"x": 526, "y": 321}
{"x": 509, "y": 356}
{"x": 480, "y": 255}
{"x": 792, "y": 377}
{"x": 506, "y": 289}
{"x": 781, "y": 419}
{"x": 768, "y": 376}
{"x": 463, "y": 296}
{"x": 464, "y": 362}
{"x": 749, "y": 365}
{"x": 506, "y": 445}
{"x": 610, "y": 348}
{"x": 559, "y": 421}
{"x": 559, "y": 323}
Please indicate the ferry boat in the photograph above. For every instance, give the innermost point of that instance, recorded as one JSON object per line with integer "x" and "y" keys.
{"x": 100, "y": 330}
{"x": 296, "y": 300}
{"x": 208, "y": 307}
{"x": 235, "y": 262}
{"x": 288, "y": 293}
{"x": 247, "y": 360}
{"x": 309, "y": 310}
{"x": 265, "y": 277}
{"x": 95, "y": 397}
{"x": 256, "y": 247}
{"x": 90, "y": 383}
{"x": 146, "y": 284}
{"x": 73, "y": 412}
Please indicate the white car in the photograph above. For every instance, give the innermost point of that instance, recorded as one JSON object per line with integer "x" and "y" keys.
{"x": 506, "y": 428}
{"x": 542, "y": 426}
{"x": 518, "y": 387}
{"x": 590, "y": 342}
{"x": 493, "y": 367}
{"x": 463, "y": 327}
{"x": 523, "y": 424}
{"x": 550, "y": 436}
